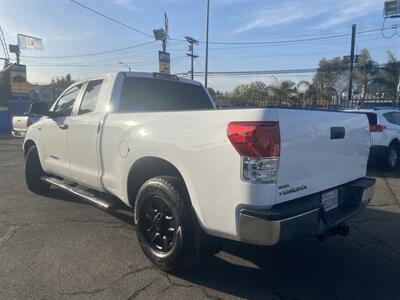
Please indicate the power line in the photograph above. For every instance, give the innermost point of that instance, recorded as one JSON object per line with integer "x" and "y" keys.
{"x": 251, "y": 45}
{"x": 298, "y": 40}
{"x": 111, "y": 19}
{"x": 267, "y": 72}
{"x": 94, "y": 53}
{"x": 140, "y": 63}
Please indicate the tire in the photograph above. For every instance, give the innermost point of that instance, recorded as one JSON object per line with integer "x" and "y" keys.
{"x": 33, "y": 172}
{"x": 165, "y": 224}
{"x": 392, "y": 158}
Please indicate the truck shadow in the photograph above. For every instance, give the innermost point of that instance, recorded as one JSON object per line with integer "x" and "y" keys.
{"x": 365, "y": 265}
{"x": 120, "y": 210}
{"x": 375, "y": 170}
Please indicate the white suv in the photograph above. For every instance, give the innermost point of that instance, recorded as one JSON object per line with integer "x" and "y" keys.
{"x": 385, "y": 135}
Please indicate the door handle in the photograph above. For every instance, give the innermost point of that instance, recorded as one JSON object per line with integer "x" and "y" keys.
{"x": 63, "y": 126}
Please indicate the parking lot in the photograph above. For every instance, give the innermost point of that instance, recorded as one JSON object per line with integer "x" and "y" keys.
{"x": 60, "y": 247}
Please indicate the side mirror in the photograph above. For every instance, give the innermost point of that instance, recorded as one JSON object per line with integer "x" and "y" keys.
{"x": 39, "y": 108}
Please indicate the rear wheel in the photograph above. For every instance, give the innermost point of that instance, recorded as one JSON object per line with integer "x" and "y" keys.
{"x": 34, "y": 171}
{"x": 392, "y": 158}
{"x": 165, "y": 224}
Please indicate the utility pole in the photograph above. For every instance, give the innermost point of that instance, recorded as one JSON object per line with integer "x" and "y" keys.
{"x": 191, "y": 42}
{"x": 207, "y": 25}
{"x": 353, "y": 42}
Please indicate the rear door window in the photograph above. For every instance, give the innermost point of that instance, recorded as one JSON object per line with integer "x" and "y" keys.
{"x": 90, "y": 97}
{"x": 392, "y": 117}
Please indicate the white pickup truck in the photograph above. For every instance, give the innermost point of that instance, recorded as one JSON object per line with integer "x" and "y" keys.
{"x": 193, "y": 174}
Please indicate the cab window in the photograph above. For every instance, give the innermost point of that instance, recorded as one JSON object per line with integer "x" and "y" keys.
{"x": 90, "y": 98}
{"x": 64, "y": 105}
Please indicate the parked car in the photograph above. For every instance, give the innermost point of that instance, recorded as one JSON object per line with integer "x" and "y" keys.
{"x": 194, "y": 174}
{"x": 20, "y": 124}
{"x": 385, "y": 135}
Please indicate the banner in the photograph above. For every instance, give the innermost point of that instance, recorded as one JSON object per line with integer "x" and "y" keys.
{"x": 29, "y": 42}
{"x": 164, "y": 60}
{"x": 18, "y": 84}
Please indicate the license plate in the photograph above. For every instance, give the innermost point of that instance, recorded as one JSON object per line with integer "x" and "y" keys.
{"x": 330, "y": 200}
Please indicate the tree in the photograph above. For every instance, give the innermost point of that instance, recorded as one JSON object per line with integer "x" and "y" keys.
{"x": 61, "y": 83}
{"x": 213, "y": 93}
{"x": 366, "y": 71}
{"x": 389, "y": 78}
{"x": 330, "y": 77}
{"x": 307, "y": 92}
{"x": 255, "y": 91}
{"x": 283, "y": 91}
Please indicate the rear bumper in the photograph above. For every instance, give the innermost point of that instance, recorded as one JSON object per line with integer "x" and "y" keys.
{"x": 18, "y": 133}
{"x": 304, "y": 217}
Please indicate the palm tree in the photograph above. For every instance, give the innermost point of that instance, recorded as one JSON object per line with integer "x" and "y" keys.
{"x": 309, "y": 94}
{"x": 284, "y": 90}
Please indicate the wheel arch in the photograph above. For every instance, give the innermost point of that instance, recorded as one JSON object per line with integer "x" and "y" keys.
{"x": 395, "y": 142}
{"x": 28, "y": 145}
{"x": 146, "y": 168}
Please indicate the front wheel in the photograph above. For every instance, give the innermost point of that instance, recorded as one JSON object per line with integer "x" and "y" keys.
{"x": 34, "y": 172}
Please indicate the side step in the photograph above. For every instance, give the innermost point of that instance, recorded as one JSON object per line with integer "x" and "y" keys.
{"x": 78, "y": 192}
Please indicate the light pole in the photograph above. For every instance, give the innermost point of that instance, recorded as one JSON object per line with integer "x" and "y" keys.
{"x": 126, "y": 65}
{"x": 207, "y": 24}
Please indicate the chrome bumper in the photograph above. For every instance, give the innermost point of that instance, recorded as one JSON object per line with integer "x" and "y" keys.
{"x": 303, "y": 217}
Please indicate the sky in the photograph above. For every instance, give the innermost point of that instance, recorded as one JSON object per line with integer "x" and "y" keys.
{"x": 71, "y": 34}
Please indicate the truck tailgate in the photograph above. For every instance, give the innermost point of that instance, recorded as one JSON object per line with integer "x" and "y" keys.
{"x": 320, "y": 150}
{"x": 19, "y": 123}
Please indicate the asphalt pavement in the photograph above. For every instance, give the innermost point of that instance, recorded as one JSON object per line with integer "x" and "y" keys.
{"x": 60, "y": 247}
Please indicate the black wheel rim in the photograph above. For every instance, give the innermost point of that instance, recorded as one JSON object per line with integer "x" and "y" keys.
{"x": 159, "y": 224}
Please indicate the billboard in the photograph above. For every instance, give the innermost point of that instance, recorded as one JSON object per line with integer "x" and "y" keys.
{"x": 18, "y": 83}
{"x": 29, "y": 42}
{"x": 164, "y": 60}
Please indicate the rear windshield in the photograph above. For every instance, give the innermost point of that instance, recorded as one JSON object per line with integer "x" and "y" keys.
{"x": 151, "y": 94}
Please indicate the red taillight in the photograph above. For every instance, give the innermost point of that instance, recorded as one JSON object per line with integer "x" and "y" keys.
{"x": 376, "y": 128}
{"x": 28, "y": 122}
{"x": 255, "y": 139}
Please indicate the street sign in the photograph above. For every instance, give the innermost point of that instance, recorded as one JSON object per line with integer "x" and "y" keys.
{"x": 160, "y": 34}
{"x": 18, "y": 83}
{"x": 13, "y": 49}
{"x": 164, "y": 61}
{"x": 29, "y": 42}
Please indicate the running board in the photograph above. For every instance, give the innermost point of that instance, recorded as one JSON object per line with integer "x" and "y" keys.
{"x": 75, "y": 190}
